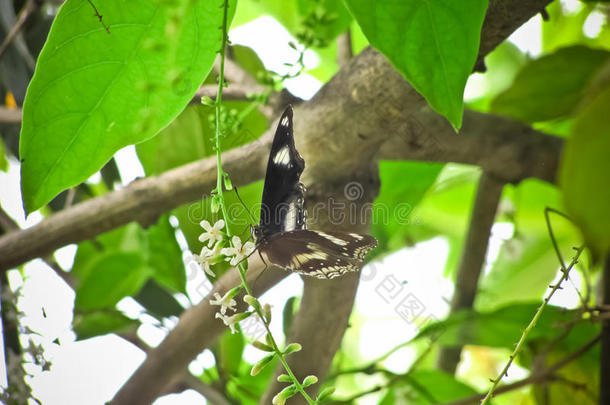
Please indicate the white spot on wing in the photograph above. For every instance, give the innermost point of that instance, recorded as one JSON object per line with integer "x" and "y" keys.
{"x": 284, "y": 122}
{"x": 333, "y": 239}
{"x": 282, "y": 156}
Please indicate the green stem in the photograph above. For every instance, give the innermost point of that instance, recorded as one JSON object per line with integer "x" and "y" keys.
{"x": 219, "y": 191}
{"x": 531, "y": 326}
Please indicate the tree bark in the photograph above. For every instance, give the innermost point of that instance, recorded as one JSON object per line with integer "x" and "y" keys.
{"x": 473, "y": 258}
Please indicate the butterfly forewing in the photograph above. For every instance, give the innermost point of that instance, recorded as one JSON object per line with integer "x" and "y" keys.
{"x": 281, "y": 235}
{"x": 283, "y": 194}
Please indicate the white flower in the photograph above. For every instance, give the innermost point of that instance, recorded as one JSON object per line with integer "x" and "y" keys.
{"x": 229, "y": 321}
{"x": 226, "y": 302}
{"x": 212, "y": 234}
{"x": 205, "y": 257}
{"x": 238, "y": 252}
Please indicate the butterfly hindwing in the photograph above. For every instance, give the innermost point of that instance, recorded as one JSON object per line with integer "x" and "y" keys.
{"x": 318, "y": 254}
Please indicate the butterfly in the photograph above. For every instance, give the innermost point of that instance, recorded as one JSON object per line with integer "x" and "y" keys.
{"x": 282, "y": 236}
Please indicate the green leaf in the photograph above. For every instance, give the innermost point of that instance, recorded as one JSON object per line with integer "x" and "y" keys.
{"x": 522, "y": 272}
{"x": 189, "y": 138}
{"x": 503, "y": 64}
{"x": 249, "y": 60}
{"x": 288, "y": 315}
{"x": 499, "y": 328}
{"x": 262, "y": 346}
{"x": 94, "y": 93}
{"x": 101, "y": 323}
{"x": 231, "y": 347}
{"x": 584, "y": 173}
{"x": 393, "y": 220}
{"x": 3, "y": 157}
{"x": 158, "y": 301}
{"x": 165, "y": 256}
{"x": 552, "y": 86}
{"x": 112, "y": 276}
{"x": 262, "y": 363}
{"x": 433, "y": 43}
{"x": 439, "y": 386}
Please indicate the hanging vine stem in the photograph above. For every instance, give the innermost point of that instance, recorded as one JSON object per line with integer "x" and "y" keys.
{"x": 532, "y": 324}
{"x": 218, "y": 196}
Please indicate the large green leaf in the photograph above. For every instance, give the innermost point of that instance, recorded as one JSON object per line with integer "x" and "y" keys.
{"x": 552, "y": 86}
{"x": 102, "y": 322}
{"x": 585, "y": 171}
{"x": 94, "y": 92}
{"x": 403, "y": 185}
{"x": 112, "y": 276}
{"x": 433, "y": 43}
{"x": 155, "y": 251}
{"x": 164, "y": 256}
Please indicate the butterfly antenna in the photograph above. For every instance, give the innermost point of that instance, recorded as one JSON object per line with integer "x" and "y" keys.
{"x": 245, "y": 207}
{"x": 262, "y": 271}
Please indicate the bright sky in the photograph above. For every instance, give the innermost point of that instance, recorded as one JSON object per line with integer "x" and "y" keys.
{"x": 91, "y": 371}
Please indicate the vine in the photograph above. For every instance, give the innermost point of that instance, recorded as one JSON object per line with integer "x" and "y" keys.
{"x": 565, "y": 274}
{"x": 237, "y": 253}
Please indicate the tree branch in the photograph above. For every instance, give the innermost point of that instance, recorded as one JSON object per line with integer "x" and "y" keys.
{"x": 196, "y": 329}
{"x": 30, "y": 7}
{"x": 349, "y": 119}
{"x": 473, "y": 258}
{"x": 10, "y": 115}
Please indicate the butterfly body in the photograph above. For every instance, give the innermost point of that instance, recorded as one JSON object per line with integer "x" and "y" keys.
{"x": 282, "y": 236}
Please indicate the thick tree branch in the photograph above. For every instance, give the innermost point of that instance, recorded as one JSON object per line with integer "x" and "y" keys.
{"x": 473, "y": 258}
{"x": 363, "y": 106}
{"x": 196, "y": 329}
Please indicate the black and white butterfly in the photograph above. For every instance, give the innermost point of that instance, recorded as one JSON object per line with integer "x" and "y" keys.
{"x": 282, "y": 236}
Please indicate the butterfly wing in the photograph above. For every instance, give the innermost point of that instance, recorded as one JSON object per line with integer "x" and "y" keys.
{"x": 283, "y": 194}
{"x": 318, "y": 254}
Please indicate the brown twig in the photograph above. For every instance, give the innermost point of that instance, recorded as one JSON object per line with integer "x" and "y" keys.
{"x": 99, "y": 17}
{"x": 30, "y": 7}
{"x": 10, "y": 115}
{"x": 473, "y": 258}
{"x": 344, "y": 48}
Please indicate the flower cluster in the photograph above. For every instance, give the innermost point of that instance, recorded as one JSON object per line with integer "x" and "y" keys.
{"x": 214, "y": 247}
